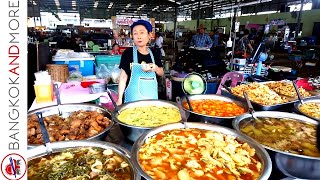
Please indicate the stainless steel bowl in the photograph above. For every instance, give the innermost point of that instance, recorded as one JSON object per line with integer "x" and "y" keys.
{"x": 67, "y": 109}
{"x": 134, "y": 132}
{"x": 292, "y": 165}
{"x": 40, "y": 151}
{"x": 307, "y": 100}
{"x": 197, "y": 117}
{"x": 261, "y": 152}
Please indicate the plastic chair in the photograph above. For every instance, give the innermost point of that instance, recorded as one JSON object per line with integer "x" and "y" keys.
{"x": 235, "y": 77}
{"x": 95, "y": 48}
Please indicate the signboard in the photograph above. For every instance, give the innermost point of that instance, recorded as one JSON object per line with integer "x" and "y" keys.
{"x": 277, "y": 22}
{"x": 127, "y": 21}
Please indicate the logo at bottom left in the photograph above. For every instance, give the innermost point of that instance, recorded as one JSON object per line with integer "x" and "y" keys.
{"x": 13, "y": 166}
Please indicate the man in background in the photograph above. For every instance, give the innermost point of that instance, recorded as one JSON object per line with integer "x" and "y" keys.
{"x": 201, "y": 39}
{"x": 159, "y": 45}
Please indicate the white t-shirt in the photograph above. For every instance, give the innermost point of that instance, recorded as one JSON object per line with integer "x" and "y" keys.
{"x": 159, "y": 41}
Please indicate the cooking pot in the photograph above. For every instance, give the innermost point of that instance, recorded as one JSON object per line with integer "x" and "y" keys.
{"x": 67, "y": 109}
{"x": 40, "y": 151}
{"x": 134, "y": 132}
{"x": 260, "y": 151}
{"x": 292, "y": 165}
{"x": 197, "y": 117}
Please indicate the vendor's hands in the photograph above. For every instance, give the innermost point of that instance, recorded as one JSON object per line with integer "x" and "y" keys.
{"x": 149, "y": 67}
{"x": 119, "y": 102}
{"x": 153, "y": 67}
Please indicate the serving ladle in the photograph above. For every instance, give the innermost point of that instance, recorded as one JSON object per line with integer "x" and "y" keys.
{"x": 189, "y": 104}
{"x": 116, "y": 108}
{"x": 297, "y": 91}
{"x": 182, "y": 112}
{"x": 44, "y": 132}
{"x": 57, "y": 93}
{"x": 301, "y": 100}
{"x": 250, "y": 107}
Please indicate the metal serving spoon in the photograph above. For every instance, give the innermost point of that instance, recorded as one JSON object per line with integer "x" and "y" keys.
{"x": 297, "y": 91}
{"x": 44, "y": 132}
{"x": 182, "y": 112}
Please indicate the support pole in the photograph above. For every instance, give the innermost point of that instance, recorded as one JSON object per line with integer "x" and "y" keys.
{"x": 175, "y": 24}
{"x": 198, "y": 19}
{"x": 299, "y": 20}
{"x": 212, "y": 15}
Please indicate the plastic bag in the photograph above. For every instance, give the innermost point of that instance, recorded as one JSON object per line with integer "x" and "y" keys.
{"x": 75, "y": 76}
{"x": 115, "y": 74}
{"x": 103, "y": 72}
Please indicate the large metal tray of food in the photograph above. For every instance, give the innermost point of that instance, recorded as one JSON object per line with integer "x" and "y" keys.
{"x": 268, "y": 96}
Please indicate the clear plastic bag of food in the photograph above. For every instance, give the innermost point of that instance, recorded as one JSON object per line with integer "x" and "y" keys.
{"x": 115, "y": 74}
{"x": 75, "y": 76}
{"x": 103, "y": 72}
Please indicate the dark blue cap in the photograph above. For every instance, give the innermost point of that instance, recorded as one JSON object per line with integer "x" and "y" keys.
{"x": 143, "y": 23}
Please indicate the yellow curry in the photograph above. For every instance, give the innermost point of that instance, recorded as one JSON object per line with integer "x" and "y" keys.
{"x": 149, "y": 116}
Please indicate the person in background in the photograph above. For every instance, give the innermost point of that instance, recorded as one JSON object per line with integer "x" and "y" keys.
{"x": 216, "y": 39}
{"x": 115, "y": 49}
{"x": 139, "y": 67}
{"x": 244, "y": 42}
{"x": 128, "y": 39}
{"x": 201, "y": 39}
{"x": 159, "y": 44}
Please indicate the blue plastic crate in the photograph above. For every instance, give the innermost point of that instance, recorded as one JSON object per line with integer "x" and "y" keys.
{"x": 84, "y": 65}
{"x": 109, "y": 60}
{"x": 295, "y": 57}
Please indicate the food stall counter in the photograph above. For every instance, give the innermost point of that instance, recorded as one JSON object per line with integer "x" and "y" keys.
{"x": 71, "y": 93}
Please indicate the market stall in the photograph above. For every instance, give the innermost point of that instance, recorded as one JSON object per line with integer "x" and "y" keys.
{"x": 273, "y": 101}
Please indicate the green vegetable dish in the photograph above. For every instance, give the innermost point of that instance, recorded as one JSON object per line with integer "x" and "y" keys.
{"x": 80, "y": 164}
{"x": 149, "y": 116}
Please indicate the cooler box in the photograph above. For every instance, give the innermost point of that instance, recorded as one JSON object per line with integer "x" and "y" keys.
{"x": 109, "y": 60}
{"x": 84, "y": 65}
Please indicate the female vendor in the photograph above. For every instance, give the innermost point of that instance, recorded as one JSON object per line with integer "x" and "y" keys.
{"x": 139, "y": 67}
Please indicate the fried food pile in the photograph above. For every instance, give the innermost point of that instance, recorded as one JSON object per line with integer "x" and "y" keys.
{"x": 259, "y": 93}
{"x": 79, "y": 125}
{"x": 287, "y": 89}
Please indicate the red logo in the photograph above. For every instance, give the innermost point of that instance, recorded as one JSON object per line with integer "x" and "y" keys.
{"x": 13, "y": 166}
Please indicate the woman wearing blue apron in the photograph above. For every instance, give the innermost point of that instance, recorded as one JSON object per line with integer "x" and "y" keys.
{"x": 139, "y": 68}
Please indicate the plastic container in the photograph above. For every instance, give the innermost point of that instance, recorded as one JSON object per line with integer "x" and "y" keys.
{"x": 97, "y": 88}
{"x": 44, "y": 93}
{"x": 109, "y": 60}
{"x": 84, "y": 65}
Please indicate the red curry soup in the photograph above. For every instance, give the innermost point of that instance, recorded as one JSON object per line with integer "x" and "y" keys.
{"x": 214, "y": 107}
{"x": 183, "y": 154}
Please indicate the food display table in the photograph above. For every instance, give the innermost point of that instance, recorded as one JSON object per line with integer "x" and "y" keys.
{"x": 75, "y": 93}
{"x": 71, "y": 93}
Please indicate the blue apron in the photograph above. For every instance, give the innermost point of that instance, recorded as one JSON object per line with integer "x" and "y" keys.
{"x": 142, "y": 85}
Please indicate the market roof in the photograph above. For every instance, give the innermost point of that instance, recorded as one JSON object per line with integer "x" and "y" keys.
{"x": 161, "y": 9}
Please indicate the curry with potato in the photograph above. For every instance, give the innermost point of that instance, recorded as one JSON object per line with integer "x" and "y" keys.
{"x": 198, "y": 154}
{"x": 283, "y": 134}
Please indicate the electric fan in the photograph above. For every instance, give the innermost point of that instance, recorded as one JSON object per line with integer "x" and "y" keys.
{"x": 194, "y": 83}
